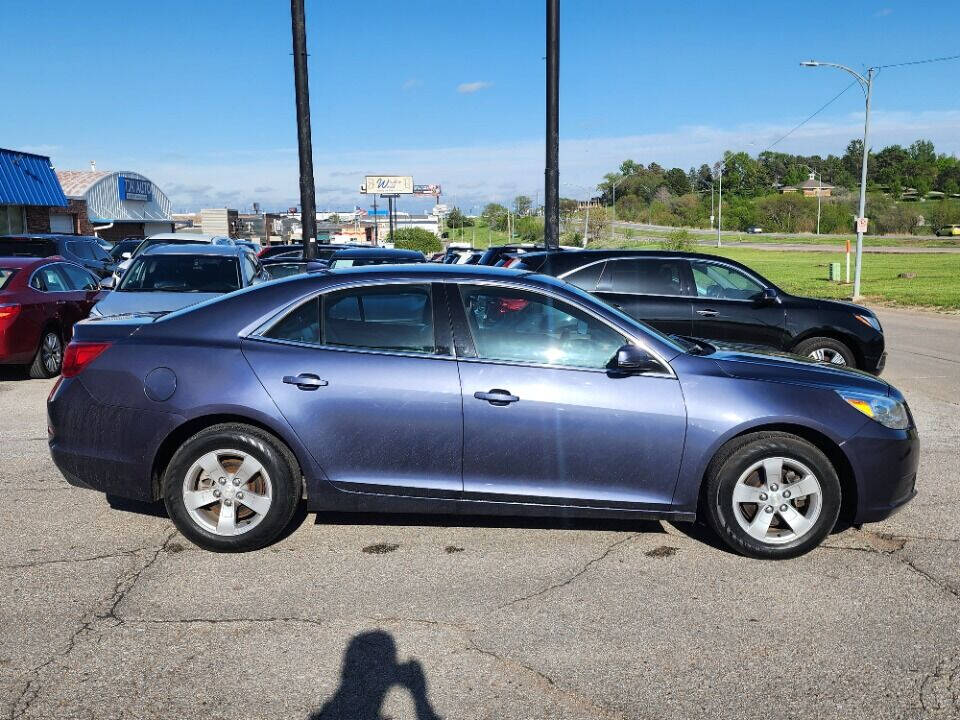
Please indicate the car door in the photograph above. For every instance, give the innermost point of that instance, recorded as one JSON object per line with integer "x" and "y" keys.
{"x": 85, "y": 286}
{"x": 730, "y": 307}
{"x": 366, "y": 378}
{"x": 652, "y": 290}
{"x": 544, "y": 420}
{"x": 59, "y": 296}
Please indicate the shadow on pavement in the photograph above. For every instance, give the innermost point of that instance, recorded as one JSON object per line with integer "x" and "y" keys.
{"x": 370, "y": 670}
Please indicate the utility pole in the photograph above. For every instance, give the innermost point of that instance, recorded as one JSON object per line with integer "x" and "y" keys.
{"x": 308, "y": 200}
{"x": 720, "y": 167}
{"x": 551, "y": 197}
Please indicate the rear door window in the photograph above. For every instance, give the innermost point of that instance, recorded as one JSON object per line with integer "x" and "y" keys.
{"x": 78, "y": 278}
{"x": 586, "y": 278}
{"x": 49, "y": 279}
{"x": 644, "y": 276}
{"x": 80, "y": 250}
{"x": 392, "y": 317}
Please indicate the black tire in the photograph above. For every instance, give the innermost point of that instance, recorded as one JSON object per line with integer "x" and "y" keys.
{"x": 275, "y": 458}
{"x": 830, "y": 347}
{"x": 742, "y": 453}
{"x": 49, "y": 358}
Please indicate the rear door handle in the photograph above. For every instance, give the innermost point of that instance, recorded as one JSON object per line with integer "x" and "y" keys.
{"x": 708, "y": 313}
{"x": 497, "y": 397}
{"x": 305, "y": 381}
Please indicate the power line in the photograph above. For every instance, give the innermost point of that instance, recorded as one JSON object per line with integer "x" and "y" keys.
{"x": 920, "y": 62}
{"x": 810, "y": 117}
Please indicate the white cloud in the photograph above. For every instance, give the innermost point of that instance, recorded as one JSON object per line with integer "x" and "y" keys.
{"x": 883, "y": 12}
{"x": 472, "y": 175}
{"x": 472, "y": 87}
{"x": 412, "y": 83}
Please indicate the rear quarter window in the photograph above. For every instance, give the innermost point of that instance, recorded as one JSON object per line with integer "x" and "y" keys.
{"x": 6, "y": 275}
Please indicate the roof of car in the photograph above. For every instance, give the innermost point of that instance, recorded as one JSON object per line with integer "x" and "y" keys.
{"x": 28, "y": 263}
{"x": 196, "y": 249}
{"x": 362, "y": 252}
{"x": 197, "y": 237}
{"x": 46, "y": 236}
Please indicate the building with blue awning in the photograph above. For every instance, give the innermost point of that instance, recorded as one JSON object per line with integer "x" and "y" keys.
{"x": 29, "y": 189}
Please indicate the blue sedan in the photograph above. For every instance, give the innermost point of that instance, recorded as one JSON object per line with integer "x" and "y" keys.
{"x": 466, "y": 389}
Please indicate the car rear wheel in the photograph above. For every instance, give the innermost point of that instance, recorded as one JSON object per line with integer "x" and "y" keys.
{"x": 49, "y": 358}
{"x": 232, "y": 488}
{"x": 827, "y": 350}
{"x": 772, "y": 495}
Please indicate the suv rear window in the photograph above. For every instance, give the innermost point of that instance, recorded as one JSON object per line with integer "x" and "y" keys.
{"x": 646, "y": 276}
{"x": 27, "y": 247}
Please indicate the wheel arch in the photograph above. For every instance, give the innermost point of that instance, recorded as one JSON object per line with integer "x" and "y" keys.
{"x": 176, "y": 437}
{"x": 833, "y": 451}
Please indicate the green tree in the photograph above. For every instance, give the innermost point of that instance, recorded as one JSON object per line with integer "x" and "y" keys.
{"x": 678, "y": 182}
{"x": 522, "y": 204}
{"x": 417, "y": 239}
{"x": 456, "y": 219}
{"x": 495, "y": 216}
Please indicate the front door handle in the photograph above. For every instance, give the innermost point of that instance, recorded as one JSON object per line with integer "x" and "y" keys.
{"x": 499, "y": 398}
{"x": 305, "y": 381}
{"x": 708, "y": 313}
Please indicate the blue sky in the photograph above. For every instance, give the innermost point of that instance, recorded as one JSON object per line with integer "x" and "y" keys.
{"x": 199, "y": 95}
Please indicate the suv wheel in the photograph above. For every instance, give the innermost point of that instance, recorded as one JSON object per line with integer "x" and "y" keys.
{"x": 827, "y": 350}
{"x": 772, "y": 495}
{"x": 232, "y": 488}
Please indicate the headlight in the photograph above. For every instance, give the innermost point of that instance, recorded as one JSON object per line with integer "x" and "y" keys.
{"x": 887, "y": 411}
{"x": 870, "y": 321}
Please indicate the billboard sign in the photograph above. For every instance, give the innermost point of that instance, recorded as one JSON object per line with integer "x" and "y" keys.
{"x": 427, "y": 190}
{"x": 135, "y": 188}
{"x": 389, "y": 184}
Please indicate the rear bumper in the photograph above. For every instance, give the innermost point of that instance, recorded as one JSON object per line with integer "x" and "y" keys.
{"x": 885, "y": 466}
{"x": 102, "y": 447}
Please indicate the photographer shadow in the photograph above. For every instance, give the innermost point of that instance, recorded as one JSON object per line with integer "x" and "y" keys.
{"x": 370, "y": 671}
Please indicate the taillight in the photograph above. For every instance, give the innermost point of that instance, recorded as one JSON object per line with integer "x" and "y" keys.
{"x": 8, "y": 313}
{"x": 511, "y": 262}
{"x": 80, "y": 354}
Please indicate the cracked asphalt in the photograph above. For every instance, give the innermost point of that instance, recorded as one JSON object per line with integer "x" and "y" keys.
{"x": 109, "y": 613}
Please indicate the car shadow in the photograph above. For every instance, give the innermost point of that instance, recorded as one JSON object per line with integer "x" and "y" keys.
{"x": 370, "y": 670}
{"x": 13, "y": 372}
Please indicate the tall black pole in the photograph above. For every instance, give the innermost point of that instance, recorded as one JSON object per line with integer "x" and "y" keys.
{"x": 308, "y": 201}
{"x": 551, "y": 204}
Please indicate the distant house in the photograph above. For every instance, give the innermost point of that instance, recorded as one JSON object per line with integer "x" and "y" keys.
{"x": 811, "y": 187}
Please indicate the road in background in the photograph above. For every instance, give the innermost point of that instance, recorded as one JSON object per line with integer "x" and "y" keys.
{"x": 109, "y": 612}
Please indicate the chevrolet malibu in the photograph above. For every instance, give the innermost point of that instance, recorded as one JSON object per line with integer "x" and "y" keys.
{"x": 467, "y": 389}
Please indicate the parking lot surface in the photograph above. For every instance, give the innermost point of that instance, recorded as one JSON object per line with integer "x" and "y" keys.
{"x": 109, "y": 613}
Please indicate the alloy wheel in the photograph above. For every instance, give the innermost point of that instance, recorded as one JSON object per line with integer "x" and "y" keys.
{"x": 227, "y": 492}
{"x": 51, "y": 353}
{"x": 777, "y": 500}
{"x": 828, "y": 355}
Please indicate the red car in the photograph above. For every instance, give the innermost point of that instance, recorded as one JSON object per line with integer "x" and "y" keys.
{"x": 40, "y": 300}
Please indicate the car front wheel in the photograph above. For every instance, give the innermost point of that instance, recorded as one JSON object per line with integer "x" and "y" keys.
{"x": 772, "y": 495}
{"x": 827, "y": 350}
{"x": 232, "y": 488}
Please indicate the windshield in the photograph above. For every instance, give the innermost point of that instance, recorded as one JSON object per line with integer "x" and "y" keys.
{"x": 5, "y": 275}
{"x": 182, "y": 273}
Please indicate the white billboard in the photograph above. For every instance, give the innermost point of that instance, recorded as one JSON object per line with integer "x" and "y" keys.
{"x": 388, "y": 185}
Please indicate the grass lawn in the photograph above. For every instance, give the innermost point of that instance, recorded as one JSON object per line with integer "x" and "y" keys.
{"x": 804, "y": 239}
{"x": 481, "y": 236}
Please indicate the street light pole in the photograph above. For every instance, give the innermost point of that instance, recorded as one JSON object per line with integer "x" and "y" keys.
{"x": 866, "y": 84}
{"x": 308, "y": 201}
{"x": 720, "y": 167}
{"x": 551, "y": 191}
{"x": 614, "y": 205}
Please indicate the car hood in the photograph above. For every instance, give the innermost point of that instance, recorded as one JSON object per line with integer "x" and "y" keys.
{"x": 132, "y": 303}
{"x": 754, "y": 364}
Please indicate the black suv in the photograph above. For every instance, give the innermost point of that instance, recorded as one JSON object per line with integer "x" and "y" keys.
{"x": 83, "y": 250}
{"x": 711, "y": 297}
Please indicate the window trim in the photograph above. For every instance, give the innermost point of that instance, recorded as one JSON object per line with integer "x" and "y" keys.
{"x": 438, "y": 336}
{"x": 454, "y": 296}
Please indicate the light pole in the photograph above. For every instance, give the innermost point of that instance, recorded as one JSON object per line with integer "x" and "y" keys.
{"x": 721, "y": 166}
{"x": 614, "y": 205}
{"x": 866, "y": 84}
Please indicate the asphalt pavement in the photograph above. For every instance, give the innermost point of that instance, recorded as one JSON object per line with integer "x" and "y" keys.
{"x": 109, "y": 613}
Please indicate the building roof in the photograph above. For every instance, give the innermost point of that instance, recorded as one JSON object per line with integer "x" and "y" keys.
{"x": 76, "y": 183}
{"x": 28, "y": 179}
{"x": 812, "y": 184}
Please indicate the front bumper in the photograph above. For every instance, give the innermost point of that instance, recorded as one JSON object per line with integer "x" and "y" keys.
{"x": 885, "y": 466}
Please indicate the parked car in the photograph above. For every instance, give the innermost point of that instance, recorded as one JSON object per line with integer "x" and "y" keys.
{"x": 123, "y": 249}
{"x": 949, "y": 231}
{"x": 711, "y": 297}
{"x": 271, "y": 250}
{"x": 460, "y": 256}
{"x": 356, "y": 257}
{"x": 40, "y": 300}
{"x": 253, "y": 245}
{"x": 281, "y": 267}
{"x": 754, "y": 230}
{"x": 172, "y": 239}
{"x": 467, "y": 389}
{"x": 84, "y": 250}
{"x": 495, "y": 253}
{"x": 164, "y": 278}
{"x": 324, "y": 251}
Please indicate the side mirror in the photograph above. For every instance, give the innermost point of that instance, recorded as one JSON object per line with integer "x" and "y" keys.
{"x": 107, "y": 283}
{"x": 125, "y": 256}
{"x": 633, "y": 359}
{"x": 769, "y": 296}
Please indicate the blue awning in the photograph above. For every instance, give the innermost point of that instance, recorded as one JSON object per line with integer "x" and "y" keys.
{"x": 27, "y": 179}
